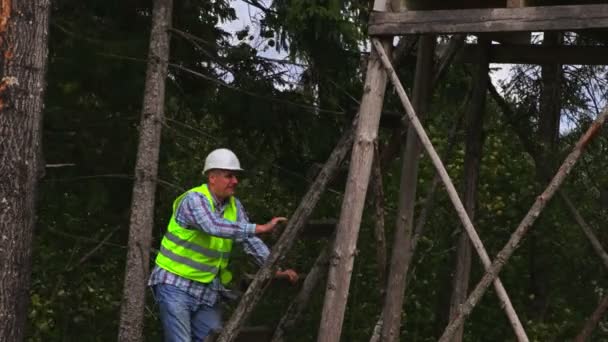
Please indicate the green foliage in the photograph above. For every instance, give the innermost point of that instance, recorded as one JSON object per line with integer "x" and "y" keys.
{"x": 282, "y": 123}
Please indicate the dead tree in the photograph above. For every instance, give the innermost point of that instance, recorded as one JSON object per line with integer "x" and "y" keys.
{"x": 146, "y": 169}
{"x": 23, "y": 64}
{"x": 472, "y": 160}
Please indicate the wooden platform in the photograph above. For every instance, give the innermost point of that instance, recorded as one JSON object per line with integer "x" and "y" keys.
{"x": 542, "y": 18}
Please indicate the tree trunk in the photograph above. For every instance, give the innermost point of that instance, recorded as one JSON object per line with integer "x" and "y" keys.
{"x": 472, "y": 159}
{"x": 146, "y": 169}
{"x": 402, "y": 245}
{"x": 23, "y": 63}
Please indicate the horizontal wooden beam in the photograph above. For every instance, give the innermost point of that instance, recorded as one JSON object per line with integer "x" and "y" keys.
{"x": 535, "y": 54}
{"x": 543, "y": 18}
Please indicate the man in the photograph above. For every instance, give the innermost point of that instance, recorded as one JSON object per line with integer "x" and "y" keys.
{"x": 191, "y": 267}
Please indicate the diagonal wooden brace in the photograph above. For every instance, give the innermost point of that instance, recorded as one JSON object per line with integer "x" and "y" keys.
{"x": 294, "y": 227}
{"x": 525, "y": 225}
{"x": 453, "y": 194}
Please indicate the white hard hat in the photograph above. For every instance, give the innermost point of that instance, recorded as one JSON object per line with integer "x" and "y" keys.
{"x": 222, "y": 158}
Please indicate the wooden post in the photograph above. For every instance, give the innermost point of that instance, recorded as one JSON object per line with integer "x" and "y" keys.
{"x": 426, "y": 142}
{"x": 347, "y": 231}
{"x": 548, "y": 132}
{"x": 472, "y": 160}
{"x": 525, "y": 225}
{"x": 402, "y": 246}
{"x": 294, "y": 227}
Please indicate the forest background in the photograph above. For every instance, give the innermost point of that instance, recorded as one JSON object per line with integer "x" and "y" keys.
{"x": 283, "y": 117}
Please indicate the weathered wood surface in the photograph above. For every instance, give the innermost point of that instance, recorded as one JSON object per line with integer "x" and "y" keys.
{"x": 402, "y": 246}
{"x": 347, "y": 232}
{"x": 452, "y": 193}
{"x": 545, "y": 18}
{"x": 472, "y": 162}
{"x": 534, "y": 54}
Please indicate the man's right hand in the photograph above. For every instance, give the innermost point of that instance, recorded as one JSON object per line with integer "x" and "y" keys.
{"x": 267, "y": 227}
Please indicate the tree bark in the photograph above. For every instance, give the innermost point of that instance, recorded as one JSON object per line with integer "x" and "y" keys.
{"x": 146, "y": 170}
{"x": 472, "y": 160}
{"x": 23, "y": 63}
{"x": 293, "y": 229}
{"x": 524, "y": 226}
{"x": 402, "y": 244}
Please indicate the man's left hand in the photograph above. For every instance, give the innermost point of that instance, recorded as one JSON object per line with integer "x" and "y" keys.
{"x": 289, "y": 274}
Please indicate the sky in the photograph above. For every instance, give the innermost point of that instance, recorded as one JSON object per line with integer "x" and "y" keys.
{"x": 249, "y": 16}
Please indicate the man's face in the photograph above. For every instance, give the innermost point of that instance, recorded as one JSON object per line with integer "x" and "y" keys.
{"x": 222, "y": 183}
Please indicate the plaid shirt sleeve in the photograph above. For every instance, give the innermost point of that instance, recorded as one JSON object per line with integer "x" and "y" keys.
{"x": 194, "y": 211}
{"x": 253, "y": 245}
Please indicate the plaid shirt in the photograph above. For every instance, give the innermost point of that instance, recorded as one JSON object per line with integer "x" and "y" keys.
{"x": 195, "y": 212}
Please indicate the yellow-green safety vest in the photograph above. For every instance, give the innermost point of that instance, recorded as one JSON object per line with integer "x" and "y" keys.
{"x": 192, "y": 253}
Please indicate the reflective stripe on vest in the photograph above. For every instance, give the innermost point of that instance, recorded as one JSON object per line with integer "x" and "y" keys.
{"x": 192, "y": 253}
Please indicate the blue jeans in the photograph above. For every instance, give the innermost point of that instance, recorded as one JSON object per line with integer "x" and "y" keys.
{"x": 184, "y": 319}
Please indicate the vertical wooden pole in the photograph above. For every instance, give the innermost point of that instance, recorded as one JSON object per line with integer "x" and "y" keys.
{"x": 452, "y": 193}
{"x": 472, "y": 160}
{"x": 347, "y": 230}
{"x": 548, "y": 133}
{"x": 402, "y": 246}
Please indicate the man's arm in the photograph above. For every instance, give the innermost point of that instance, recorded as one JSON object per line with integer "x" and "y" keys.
{"x": 256, "y": 248}
{"x": 195, "y": 211}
